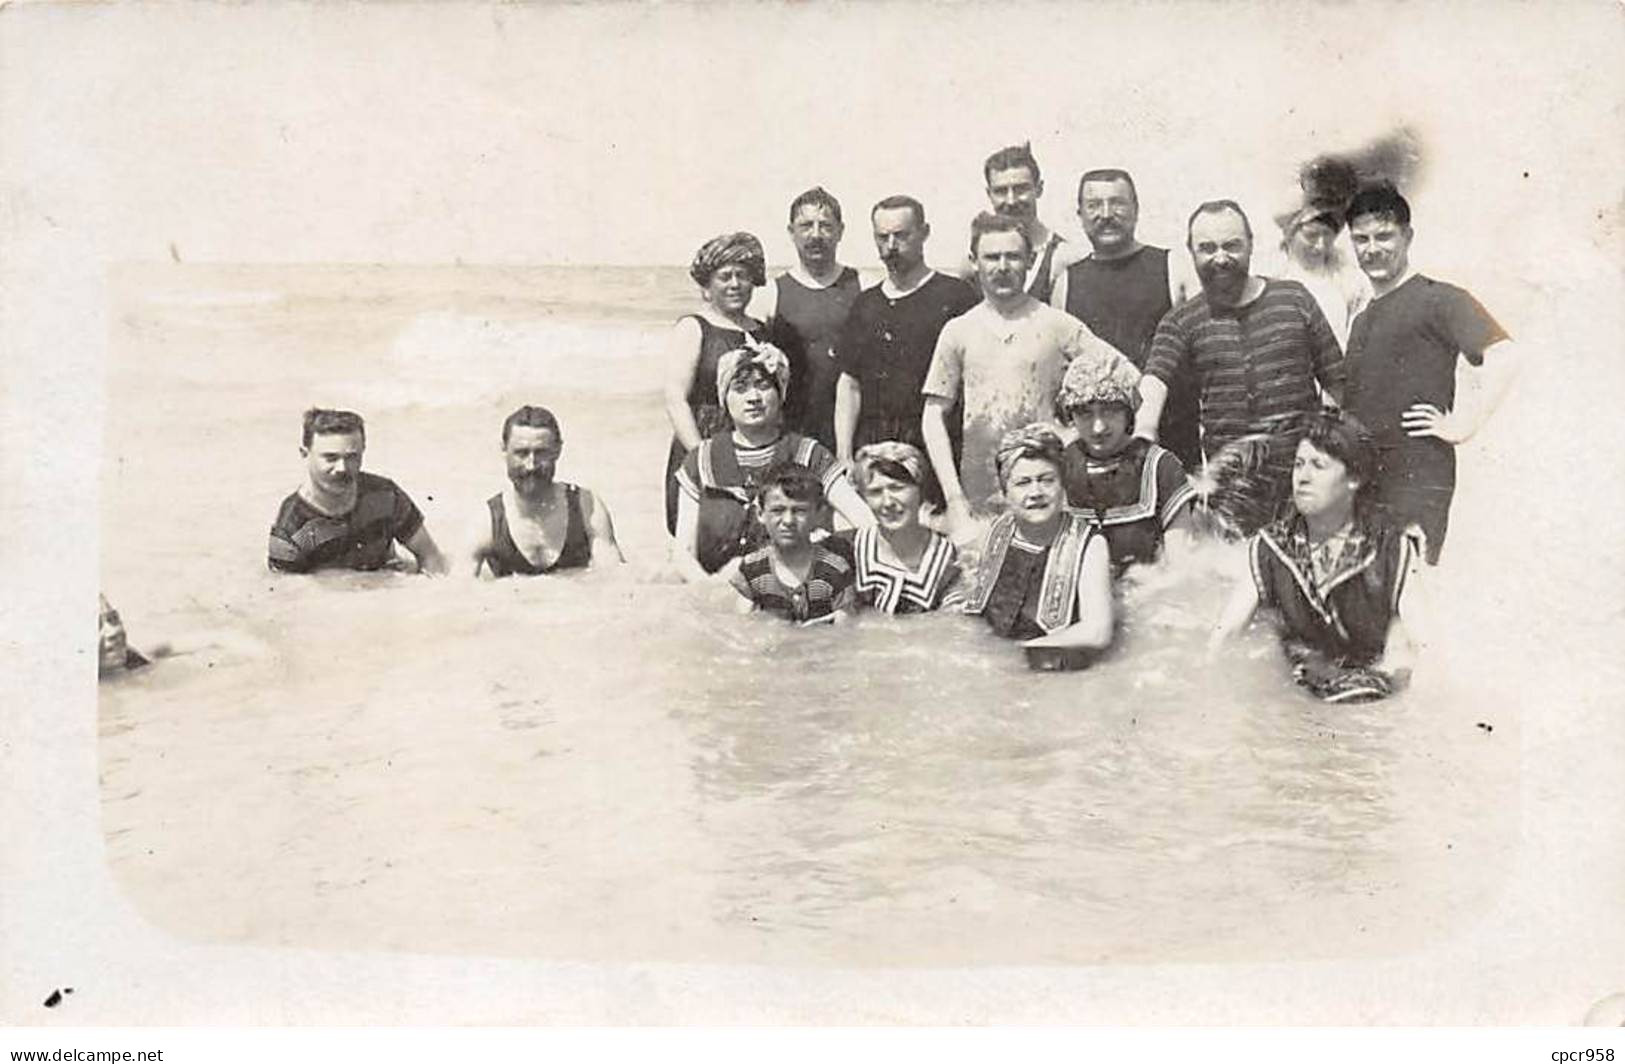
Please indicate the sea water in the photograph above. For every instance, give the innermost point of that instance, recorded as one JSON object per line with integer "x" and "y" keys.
{"x": 622, "y": 767}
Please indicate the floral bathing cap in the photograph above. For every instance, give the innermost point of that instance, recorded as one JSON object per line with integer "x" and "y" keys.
{"x": 1038, "y": 440}
{"x": 754, "y": 355}
{"x": 1098, "y": 376}
{"x": 726, "y": 250}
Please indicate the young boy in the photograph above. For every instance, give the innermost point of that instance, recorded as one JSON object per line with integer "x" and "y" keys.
{"x": 792, "y": 576}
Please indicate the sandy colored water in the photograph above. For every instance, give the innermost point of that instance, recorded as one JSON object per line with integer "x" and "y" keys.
{"x": 599, "y": 770}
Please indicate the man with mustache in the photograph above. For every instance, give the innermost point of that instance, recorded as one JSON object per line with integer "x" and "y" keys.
{"x": 342, "y": 518}
{"x": 1121, "y": 290}
{"x": 1002, "y": 362}
{"x": 1403, "y": 351}
{"x": 810, "y": 302}
{"x": 1259, "y": 353}
{"x": 1014, "y": 184}
{"x": 537, "y": 524}
{"x": 885, "y": 347}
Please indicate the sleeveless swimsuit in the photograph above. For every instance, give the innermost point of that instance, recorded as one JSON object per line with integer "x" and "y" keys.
{"x": 506, "y": 559}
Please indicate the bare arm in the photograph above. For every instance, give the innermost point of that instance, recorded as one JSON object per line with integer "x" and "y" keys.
{"x": 479, "y": 539}
{"x": 1153, "y": 396}
{"x": 1182, "y": 281}
{"x": 682, "y": 358}
{"x": 1057, "y": 294}
{"x": 848, "y": 405}
{"x": 849, "y": 504}
{"x": 1483, "y": 389}
{"x": 423, "y": 548}
{"x": 686, "y": 547}
{"x": 1094, "y": 625}
{"x": 600, "y": 529}
{"x": 934, "y": 427}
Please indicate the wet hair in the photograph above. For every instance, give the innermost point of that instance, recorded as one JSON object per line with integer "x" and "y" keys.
{"x": 988, "y": 222}
{"x": 817, "y": 196}
{"x": 1109, "y": 173}
{"x": 794, "y": 482}
{"x": 319, "y": 421}
{"x": 1383, "y": 200}
{"x": 531, "y": 417}
{"x": 897, "y": 203}
{"x": 1218, "y": 206}
{"x": 1017, "y": 156}
{"x": 1343, "y": 437}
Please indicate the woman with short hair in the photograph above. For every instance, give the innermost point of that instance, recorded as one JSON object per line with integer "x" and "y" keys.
{"x": 902, "y": 566}
{"x": 1334, "y": 571}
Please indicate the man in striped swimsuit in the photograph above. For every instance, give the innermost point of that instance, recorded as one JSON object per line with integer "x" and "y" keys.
{"x": 1259, "y": 351}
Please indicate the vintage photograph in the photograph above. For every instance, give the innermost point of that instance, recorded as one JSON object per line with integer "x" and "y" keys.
{"x": 1082, "y": 513}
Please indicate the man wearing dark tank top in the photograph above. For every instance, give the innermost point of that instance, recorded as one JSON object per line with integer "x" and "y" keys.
{"x": 1122, "y": 289}
{"x": 1014, "y": 184}
{"x": 810, "y": 304}
{"x": 537, "y": 524}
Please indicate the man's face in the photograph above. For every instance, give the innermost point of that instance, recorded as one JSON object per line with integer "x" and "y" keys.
{"x": 532, "y": 455}
{"x": 1001, "y": 264}
{"x": 900, "y": 239}
{"x": 1222, "y": 253}
{"x": 815, "y": 233}
{"x": 1109, "y": 213}
{"x": 1015, "y": 192}
{"x": 333, "y": 459}
{"x": 788, "y": 521}
{"x": 1382, "y": 245}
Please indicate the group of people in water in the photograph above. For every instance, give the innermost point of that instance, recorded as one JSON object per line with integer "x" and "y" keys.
{"x": 1009, "y": 439}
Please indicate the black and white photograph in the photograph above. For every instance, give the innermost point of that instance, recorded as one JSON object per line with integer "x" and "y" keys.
{"x": 843, "y": 514}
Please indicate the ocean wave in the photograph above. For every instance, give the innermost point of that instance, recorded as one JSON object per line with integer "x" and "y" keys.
{"x": 469, "y": 358}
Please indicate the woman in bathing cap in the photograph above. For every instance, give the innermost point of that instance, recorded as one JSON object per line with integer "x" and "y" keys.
{"x": 901, "y": 566}
{"x": 1131, "y": 488}
{"x": 718, "y": 479}
{"x": 728, "y": 269}
{"x": 1334, "y": 572}
{"x": 1042, "y": 575}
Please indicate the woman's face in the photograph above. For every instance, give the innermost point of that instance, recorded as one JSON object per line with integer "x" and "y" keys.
{"x": 1104, "y": 428}
{"x": 753, "y": 400}
{"x": 896, "y": 503}
{"x": 730, "y": 288}
{"x": 1032, "y": 489}
{"x": 1311, "y": 244}
{"x": 1320, "y": 483}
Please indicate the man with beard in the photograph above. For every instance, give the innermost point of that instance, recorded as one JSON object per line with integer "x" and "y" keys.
{"x": 1121, "y": 290}
{"x": 1002, "y": 361}
{"x": 342, "y": 518}
{"x": 1255, "y": 350}
{"x": 1014, "y": 184}
{"x": 885, "y": 348}
{"x": 539, "y": 525}
{"x": 1402, "y": 368}
{"x": 810, "y": 303}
